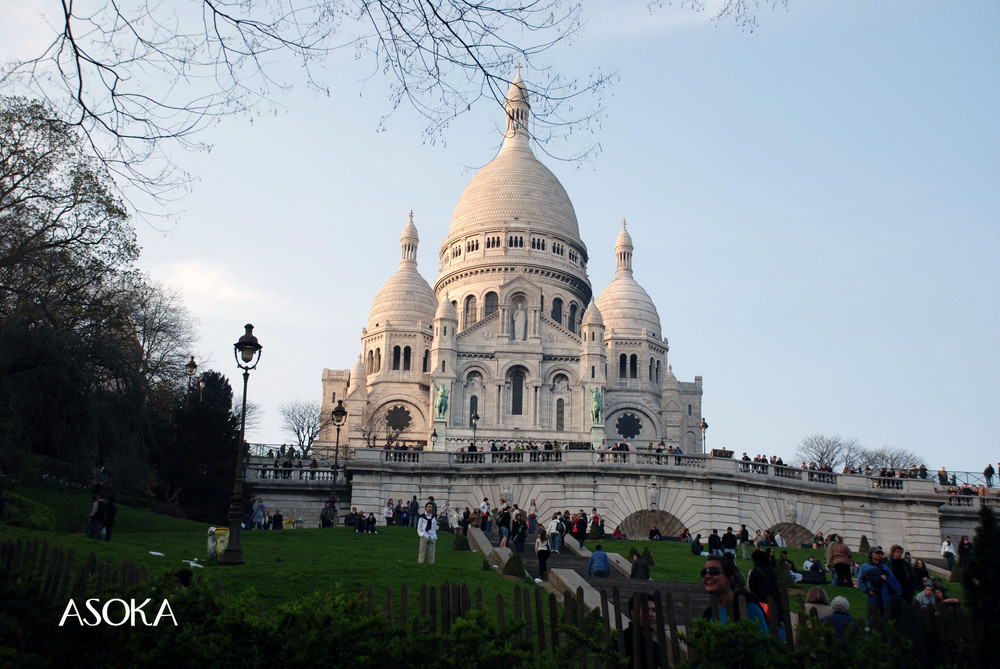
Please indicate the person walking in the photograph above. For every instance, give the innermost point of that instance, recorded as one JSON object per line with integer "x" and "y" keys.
{"x": 427, "y": 530}
{"x": 257, "y": 518}
{"x": 543, "y": 551}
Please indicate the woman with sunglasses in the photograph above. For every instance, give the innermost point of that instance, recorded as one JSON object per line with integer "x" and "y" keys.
{"x": 722, "y": 581}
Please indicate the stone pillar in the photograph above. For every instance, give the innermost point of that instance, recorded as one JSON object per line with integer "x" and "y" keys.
{"x": 597, "y": 436}
{"x": 441, "y": 427}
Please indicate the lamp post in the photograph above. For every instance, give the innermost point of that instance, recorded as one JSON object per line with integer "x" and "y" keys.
{"x": 191, "y": 368}
{"x": 704, "y": 428}
{"x": 339, "y": 415}
{"x": 247, "y": 353}
{"x": 474, "y": 419}
{"x": 434, "y": 439}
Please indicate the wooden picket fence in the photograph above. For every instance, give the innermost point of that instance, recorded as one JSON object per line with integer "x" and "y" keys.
{"x": 939, "y": 636}
{"x": 546, "y": 620}
{"x": 54, "y": 570}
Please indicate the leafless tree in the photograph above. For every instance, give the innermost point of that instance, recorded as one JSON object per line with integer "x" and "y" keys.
{"x": 825, "y": 451}
{"x": 254, "y": 413}
{"x": 372, "y": 425}
{"x": 741, "y": 12}
{"x": 890, "y": 457}
{"x": 303, "y": 419}
{"x": 136, "y": 76}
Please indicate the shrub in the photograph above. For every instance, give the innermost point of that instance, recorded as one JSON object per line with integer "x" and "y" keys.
{"x": 595, "y": 531}
{"x": 864, "y": 546}
{"x": 461, "y": 543}
{"x": 647, "y": 556}
{"x": 514, "y": 566}
{"x": 486, "y": 565}
{"x": 632, "y": 552}
{"x": 24, "y": 512}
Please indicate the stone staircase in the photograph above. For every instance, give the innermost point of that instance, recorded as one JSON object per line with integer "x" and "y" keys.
{"x": 567, "y": 571}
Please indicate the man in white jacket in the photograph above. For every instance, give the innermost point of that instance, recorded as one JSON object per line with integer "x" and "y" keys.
{"x": 427, "y": 530}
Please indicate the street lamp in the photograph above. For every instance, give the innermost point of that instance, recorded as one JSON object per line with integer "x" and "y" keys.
{"x": 339, "y": 415}
{"x": 191, "y": 368}
{"x": 434, "y": 439}
{"x": 474, "y": 419}
{"x": 704, "y": 427}
{"x": 247, "y": 353}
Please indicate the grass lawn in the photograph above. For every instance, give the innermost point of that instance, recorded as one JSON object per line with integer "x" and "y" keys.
{"x": 280, "y": 565}
{"x": 287, "y": 564}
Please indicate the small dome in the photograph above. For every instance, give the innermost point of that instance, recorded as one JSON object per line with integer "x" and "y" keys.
{"x": 446, "y": 309}
{"x": 625, "y": 305}
{"x": 406, "y": 296}
{"x": 359, "y": 378}
{"x": 592, "y": 316}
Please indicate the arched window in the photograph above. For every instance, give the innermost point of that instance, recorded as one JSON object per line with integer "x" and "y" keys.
{"x": 689, "y": 409}
{"x": 378, "y": 360}
{"x": 470, "y": 310}
{"x": 516, "y": 394}
{"x": 571, "y": 322}
{"x": 370, "y": 362}
{"x": 557, "y": 310}
{"x": 658, "y": 379}
{"x": 473, "y": 408}
{"x": 650, "y": 370}
{"x": 395, "y": 357}
{"x": 633, "y": 366}
{"x": 593, "y": 371}
{"x": 623, "y": 366}
{"x": 560, "y": 415}
{"x": 406, "y": 359}
{"x": 427, "y": 361}
{"x": 492, "y": 304}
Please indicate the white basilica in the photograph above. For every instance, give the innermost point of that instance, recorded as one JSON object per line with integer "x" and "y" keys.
{"x": 509, "y": 345}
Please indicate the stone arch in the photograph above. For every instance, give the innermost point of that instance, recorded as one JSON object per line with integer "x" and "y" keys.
{"x": 636, "y": 525}
{"x": 795, "y": 535}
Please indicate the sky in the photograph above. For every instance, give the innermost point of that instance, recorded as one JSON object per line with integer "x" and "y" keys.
{"x": 815, "y": 208}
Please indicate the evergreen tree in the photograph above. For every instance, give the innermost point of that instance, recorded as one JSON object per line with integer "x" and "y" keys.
{"x": 195, "y": 457}
{"x": 982, "y": 587}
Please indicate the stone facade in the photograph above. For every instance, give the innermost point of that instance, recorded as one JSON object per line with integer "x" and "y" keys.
{"x": 699, "y": 493}
{"x": 511, "y": 332}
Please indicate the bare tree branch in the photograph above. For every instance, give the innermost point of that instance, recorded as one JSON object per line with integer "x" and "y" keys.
{"x": 303, "y": 419}
{"x": 137, "y": 77}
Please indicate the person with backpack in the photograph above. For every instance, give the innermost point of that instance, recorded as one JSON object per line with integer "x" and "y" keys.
{"x": 722, "y": 581}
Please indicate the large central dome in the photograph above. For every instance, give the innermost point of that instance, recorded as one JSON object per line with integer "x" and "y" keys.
{"x": 515, "y": 186}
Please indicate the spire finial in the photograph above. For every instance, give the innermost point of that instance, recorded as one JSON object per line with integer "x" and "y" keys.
{"x": 623, "y": 224}
{"x": 518, "y": 66}
{"x": 411, "y": 216}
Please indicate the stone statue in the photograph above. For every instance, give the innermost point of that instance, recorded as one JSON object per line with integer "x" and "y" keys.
{"x": 789, "y": 511}
{"x": 654, "y": 495}
{"x": 597, "y": 406}
{"x": 519, "y": 319}
{"x": 441, "y": 400}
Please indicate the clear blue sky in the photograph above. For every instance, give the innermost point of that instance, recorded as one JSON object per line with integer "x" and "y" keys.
{"x": 814, "y": 208}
